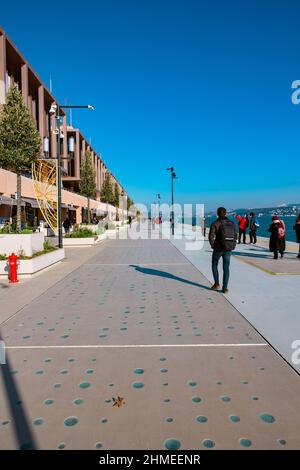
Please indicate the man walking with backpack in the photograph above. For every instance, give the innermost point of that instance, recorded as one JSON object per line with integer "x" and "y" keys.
{"x": 222, "y": 238}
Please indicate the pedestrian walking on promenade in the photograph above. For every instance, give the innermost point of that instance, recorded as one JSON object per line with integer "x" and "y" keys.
{"x": 222, "y": 238}
{"x": 277, "y": 237}
{"x": 253, "y": 224}
{"x": 243, "y": 225}
{"x": 204, "y": 226}
{"x": 67, "y": 225}
{"x": 297, "y": 229}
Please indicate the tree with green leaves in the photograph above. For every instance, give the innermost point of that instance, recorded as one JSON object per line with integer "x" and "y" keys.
{"x": 130, "y": 202}
{"x": 87, "y": 185}
{"x": 20, "y": 142}
{"x": 116, "y": 202}
{"x": 116, "y": 195}
{"x": 107, "y": 193}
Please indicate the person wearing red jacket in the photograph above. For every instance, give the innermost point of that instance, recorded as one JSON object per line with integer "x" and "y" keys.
{"x": 243, "y": 225}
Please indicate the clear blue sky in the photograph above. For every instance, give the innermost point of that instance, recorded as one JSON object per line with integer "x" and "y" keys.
{"x": 199, "y": 84}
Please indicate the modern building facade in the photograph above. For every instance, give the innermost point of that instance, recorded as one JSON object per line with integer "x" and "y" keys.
{"x": 77, "y": 145}
{"x": 15, "y": 70}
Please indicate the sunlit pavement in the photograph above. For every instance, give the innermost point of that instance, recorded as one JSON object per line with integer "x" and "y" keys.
{"x": 265, "y": 291}
{"x": 136, "y": 320}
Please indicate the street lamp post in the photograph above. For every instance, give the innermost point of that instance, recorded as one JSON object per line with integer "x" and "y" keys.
{"x": 173, "y": 176}
{"x": 55, "y": 110}
{"x": 158, "y": 198}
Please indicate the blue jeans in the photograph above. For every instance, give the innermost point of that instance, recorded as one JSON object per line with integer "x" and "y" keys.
{"x": 226, "y": 263}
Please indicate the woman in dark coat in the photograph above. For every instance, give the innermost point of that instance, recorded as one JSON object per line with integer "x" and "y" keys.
{"x": 297, "y": 229}
{"x": 277, "y": 237}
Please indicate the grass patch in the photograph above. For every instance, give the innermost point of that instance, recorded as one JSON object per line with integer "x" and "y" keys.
{"x": 47, "y": 249}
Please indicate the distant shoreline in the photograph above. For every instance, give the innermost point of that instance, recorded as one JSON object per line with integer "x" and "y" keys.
{"x": 264, "y": 223}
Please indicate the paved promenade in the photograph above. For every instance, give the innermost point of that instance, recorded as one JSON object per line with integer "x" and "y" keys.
{"x": 133, "y": 323}
{"x": 265, "y": 291}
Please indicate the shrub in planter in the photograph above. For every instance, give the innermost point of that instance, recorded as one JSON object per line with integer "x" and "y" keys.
{"x": 7, "y": 229}
{"x": 96, "y": 229}
{"x": 81, "y": 233}
{"x": 110, "y": 226}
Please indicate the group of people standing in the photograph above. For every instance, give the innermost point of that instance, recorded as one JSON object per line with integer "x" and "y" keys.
{"x": 223, "y": 238}
{"x": 277, "y": 232}
{"x": 244, "y": 223}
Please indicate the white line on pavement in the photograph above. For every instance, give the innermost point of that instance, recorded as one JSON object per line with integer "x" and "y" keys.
{"x": 107, "y": 346}
{"x": 135, "y": 264}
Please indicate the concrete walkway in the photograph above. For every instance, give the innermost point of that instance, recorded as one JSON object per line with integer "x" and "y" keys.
{"x": 135, "y": 319}
{"x": 265, "y": 291}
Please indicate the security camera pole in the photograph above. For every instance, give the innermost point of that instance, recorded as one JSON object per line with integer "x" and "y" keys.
{"x": 55, "y": 110}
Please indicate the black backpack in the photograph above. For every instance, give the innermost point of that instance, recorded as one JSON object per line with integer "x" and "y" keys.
{"x": 228, "y": 234}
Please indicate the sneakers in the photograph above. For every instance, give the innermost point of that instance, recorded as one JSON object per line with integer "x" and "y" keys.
{"x": 215, "y": 287}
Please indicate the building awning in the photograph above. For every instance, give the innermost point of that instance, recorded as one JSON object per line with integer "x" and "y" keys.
{"x": 31, "y": 201}
{"x": 72, "y": 208}
{"x": 9, "y": 201}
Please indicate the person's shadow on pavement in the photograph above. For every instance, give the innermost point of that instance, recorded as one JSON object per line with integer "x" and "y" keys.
{"x": 156, "y": 272}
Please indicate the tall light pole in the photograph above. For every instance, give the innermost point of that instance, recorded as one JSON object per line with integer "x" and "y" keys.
{"x": 158, "y": 199}
{"x": 55, "y": 111}
{"x": 173, "y": 176}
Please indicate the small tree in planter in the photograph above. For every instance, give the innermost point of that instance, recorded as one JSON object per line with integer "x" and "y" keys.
{"x": 116, "y": 195}
{"x": 129, "y": 202}
{"x": 107, "y": 194}
{"x": 20, "y": 142}
{"x": 130, "y": 205}
{"x": 116, "y": 199}
{"x": 87, "y": 184}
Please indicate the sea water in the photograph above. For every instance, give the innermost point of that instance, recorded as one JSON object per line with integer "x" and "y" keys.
{"x": 264, "y": 224}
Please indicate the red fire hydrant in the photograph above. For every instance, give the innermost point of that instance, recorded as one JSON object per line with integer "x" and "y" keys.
{"x": 13, "y": 268}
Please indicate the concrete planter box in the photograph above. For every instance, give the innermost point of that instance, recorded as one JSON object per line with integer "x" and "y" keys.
{"x": 21, "y": 244}
{"x": 34, "y": 265}
{"x": 88, "y": 241}
{"x": 101, "y": 237}
{"x": 111, "y": 233}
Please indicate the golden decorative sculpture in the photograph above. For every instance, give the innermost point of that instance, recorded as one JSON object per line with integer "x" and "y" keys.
{"x": 44, "y": 175}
